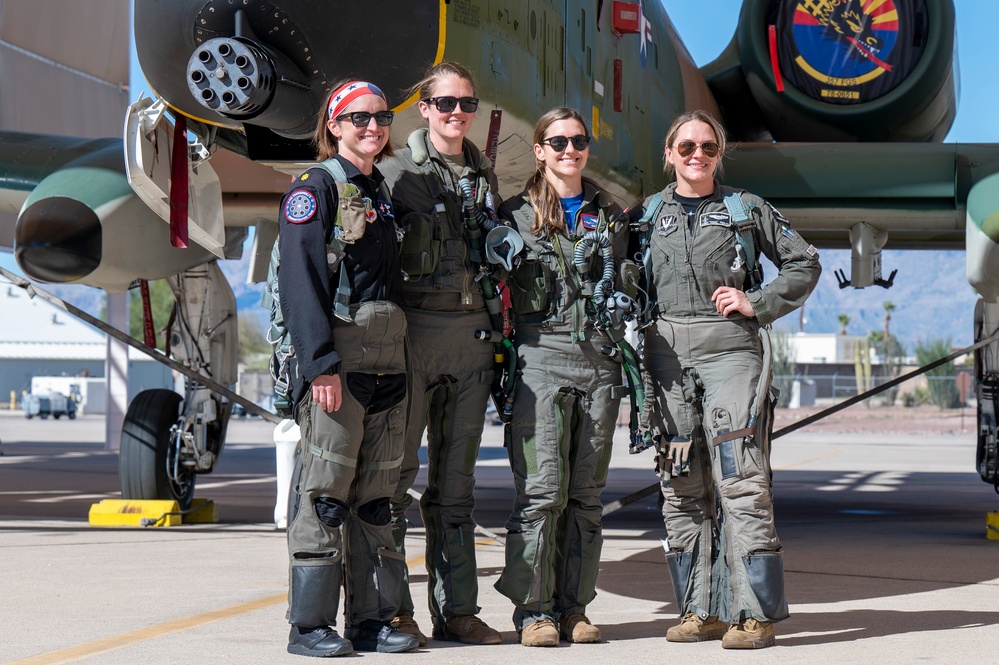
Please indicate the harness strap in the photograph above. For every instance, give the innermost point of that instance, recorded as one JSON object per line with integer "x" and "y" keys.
{"x": 734, "y": 434}
{"x": 336, "y": 458}
{"x": 351, "y": 463}
{"x": 740, "y": 216}
{"x": 341, "y": 301}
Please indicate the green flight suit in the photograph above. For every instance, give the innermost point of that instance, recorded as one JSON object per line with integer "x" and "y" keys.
{"x": 564, "y": 415}
{"x": 451, "y": 370}
{"x": 711, "y": 378}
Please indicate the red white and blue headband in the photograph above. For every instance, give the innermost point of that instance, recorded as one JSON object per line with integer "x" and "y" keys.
{"x": 347, "y": 93}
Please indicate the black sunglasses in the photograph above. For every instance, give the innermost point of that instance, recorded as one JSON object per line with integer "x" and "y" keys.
{"x": 687, "y": 148}
{"x": 560, "y": 143}
{"x": 447, "y": 104}
{"x": 362, "y": 118}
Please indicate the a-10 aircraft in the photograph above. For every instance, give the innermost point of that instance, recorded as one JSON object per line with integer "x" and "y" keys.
{"x": 837, "y": 107}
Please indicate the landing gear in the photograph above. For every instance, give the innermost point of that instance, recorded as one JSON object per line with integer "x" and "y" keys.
{"x": 987, "y": 392}
{"x": 149, "y": 461}
{"x": 167, "y": 439}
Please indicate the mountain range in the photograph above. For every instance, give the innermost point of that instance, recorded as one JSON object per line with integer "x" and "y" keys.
{"x": 932, "y": 298}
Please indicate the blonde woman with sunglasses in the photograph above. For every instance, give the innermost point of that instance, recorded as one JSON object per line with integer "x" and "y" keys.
{"x": 444, "y": 306}
{"x": 566, "y": 405}
{"x": 708, "y": 357}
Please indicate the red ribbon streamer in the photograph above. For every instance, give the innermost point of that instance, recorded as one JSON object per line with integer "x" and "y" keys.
{"x": 774, "y": 62}
{"x": 179, "y": 184}
{"x": 147, "y": 315}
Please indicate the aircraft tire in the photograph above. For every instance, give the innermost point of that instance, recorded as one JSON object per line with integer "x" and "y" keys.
{"x": 143, "y": 461}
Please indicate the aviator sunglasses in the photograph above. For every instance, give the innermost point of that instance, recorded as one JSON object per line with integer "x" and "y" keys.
{"x": 362, "y": 118}
{"x": 560, "y": 143}
{"x": 687, "y": 148}
{"x": 447, "y": 104}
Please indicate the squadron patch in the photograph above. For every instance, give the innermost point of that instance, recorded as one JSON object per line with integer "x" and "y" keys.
{"x": 369, "y": 211}
{"x": 589, "y": 222}
{"x": 667, "y": 224}
{"x": 385, "y": 209}
{"x": 300, "y": 206}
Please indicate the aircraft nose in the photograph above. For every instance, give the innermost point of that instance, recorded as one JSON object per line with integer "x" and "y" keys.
{"x": 58, "y": 240}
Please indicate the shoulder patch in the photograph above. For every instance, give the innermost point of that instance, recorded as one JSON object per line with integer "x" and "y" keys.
{"x": 781, "y": 219}
{"x": 300, "y": 206}
{"x": 589, "y": 221}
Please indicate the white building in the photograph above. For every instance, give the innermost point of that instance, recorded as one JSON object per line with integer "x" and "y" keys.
{"x": 823, "y": 348}
{"x": 37, "y": 339}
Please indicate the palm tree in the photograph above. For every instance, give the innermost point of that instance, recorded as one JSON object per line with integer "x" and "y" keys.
{"x": 889, "y": 308}
{"x": 844, "y": 321}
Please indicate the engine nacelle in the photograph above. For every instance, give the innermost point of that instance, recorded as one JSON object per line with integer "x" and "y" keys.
{"x": 83, "y": 224}
{"x": 840, "y": 70}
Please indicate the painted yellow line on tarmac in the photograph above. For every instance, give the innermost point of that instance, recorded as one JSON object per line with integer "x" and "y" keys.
{"x": 142, "y": 634}
{"x": 89, "y": 649}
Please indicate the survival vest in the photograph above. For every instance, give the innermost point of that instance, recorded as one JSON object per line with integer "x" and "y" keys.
{"x": 743, "y": 226}
{"x": 344, "y": 231}
{"x": 437, "y": 249}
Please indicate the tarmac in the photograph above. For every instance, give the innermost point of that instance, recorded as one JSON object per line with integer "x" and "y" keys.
{"x": 884, "y": 537}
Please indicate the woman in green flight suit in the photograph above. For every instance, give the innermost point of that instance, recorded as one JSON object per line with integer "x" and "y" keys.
{"x": 566, "y": 403}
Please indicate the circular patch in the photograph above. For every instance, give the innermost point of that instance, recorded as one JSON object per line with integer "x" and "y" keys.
{"x": 850, "y": 51}
{"x": 300, "y": 206}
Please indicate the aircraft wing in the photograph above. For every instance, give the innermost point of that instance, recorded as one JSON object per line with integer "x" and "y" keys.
{"x": 866, "y": 196}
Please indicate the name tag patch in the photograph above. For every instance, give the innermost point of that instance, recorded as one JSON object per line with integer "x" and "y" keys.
{"x": 716, "y": 219}
{"x": 589, "y": 222}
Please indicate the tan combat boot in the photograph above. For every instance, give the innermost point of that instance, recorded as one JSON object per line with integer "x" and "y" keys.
{"x": 540, "y": 634}
{"x": 693, "y": 628}
{"x": 467, "y": 629}
{"x": 407, "y": 624}
{"x": 749, "y": 634}
{"x": 577, "y": 628}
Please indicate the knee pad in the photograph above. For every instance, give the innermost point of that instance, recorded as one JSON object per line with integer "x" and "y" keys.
{"x": 376, "y": 512}
{"x": 329, "y": 511}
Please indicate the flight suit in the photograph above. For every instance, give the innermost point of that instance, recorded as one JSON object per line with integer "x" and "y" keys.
{"x": 564, "y": 415}
{"x": 711, "y": 378}
{"x": 341, "y": 533}
{"x": 451, "y": 370}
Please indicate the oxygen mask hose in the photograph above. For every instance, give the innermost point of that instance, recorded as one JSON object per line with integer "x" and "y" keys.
{"x": 605, "y": 285}
{"x": 476, "y": 221}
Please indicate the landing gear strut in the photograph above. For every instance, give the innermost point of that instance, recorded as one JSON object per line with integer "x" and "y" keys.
{"x": 167, "y": 440}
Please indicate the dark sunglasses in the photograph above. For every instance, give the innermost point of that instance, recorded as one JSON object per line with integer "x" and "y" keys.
{"x": 362, "y": 118}
{"x": 687, "y": 148}
{"x": 447, "y": 104}
{"x": 560, "y": 143}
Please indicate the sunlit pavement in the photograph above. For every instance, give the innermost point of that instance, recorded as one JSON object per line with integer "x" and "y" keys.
{"x": 884, "y": 541}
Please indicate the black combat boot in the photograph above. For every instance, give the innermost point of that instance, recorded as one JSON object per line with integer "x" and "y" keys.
{"x": 322, "y": 642}
{"x": 377, "y": 636}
